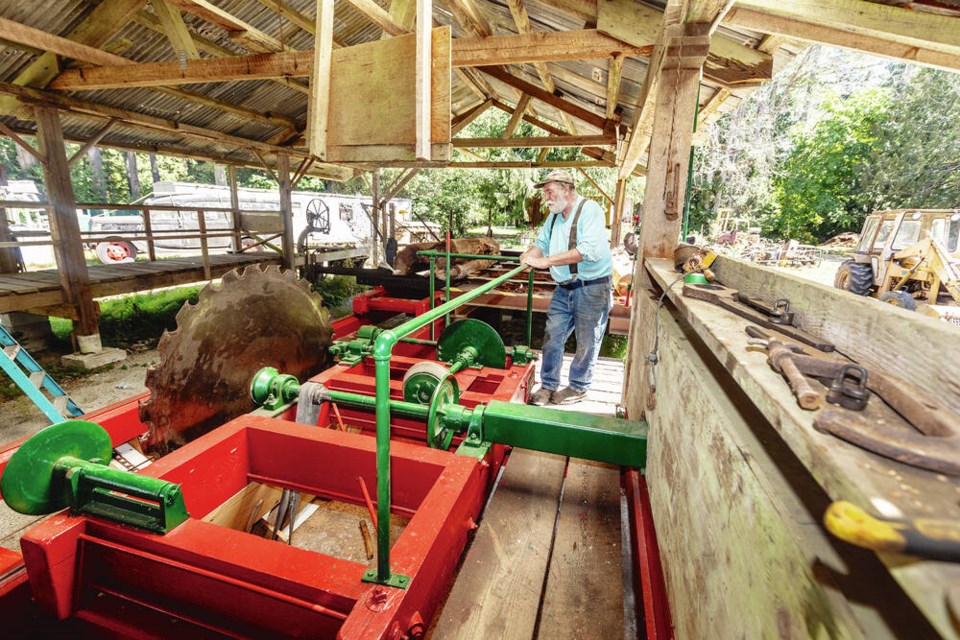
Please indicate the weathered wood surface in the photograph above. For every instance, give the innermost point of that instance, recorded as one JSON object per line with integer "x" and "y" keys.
{"x": 604, "y": 393}
{"x": 41, "y": 288}
{"x": 584, "y": 594}
{"x": 408, "y": 261}
{"x": 840, "y": 470}
{"x": 498, "y": 590}
{"x": 362, "y": 112}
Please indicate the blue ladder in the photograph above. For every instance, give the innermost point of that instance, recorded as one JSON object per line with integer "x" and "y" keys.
{"x": 32, "y": 379}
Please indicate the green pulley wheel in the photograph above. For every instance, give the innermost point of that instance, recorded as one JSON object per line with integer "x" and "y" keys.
{"x": 30, "y": 483}
{"x": 447, "y": 392}
{"x": 421, "y": 381}
{"x": 472, "y": 333}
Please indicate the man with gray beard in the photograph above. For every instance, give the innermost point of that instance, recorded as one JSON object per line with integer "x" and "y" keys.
{"x": 573, "y": 244}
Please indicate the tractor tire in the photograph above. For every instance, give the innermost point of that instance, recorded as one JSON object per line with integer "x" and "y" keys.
{"x": 854, "y": 277}
{"x": 900, "y": 299}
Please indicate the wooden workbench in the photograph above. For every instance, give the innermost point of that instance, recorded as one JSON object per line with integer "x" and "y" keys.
{"x": 739, "y": 480}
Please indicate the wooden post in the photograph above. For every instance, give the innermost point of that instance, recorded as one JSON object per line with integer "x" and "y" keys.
{"x": 202, "y": 226}
{"x": 618, "y": 199}
{"x": 286, "y": 209}
{"x": 424, "y": 62}
{"x": 148, "y": 229}
{"x": 669, "y": 156}
{"x": 375, "y": 217}
{"x": 234, "y": 208}
{"x": 65, "y": 230}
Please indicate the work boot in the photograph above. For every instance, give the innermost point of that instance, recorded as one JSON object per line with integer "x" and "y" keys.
{"x": 567, "y": 395}
{"x": 541, "y": 397}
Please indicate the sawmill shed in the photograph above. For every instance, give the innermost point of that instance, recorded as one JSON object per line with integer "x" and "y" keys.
{"x": 738, "y": 477}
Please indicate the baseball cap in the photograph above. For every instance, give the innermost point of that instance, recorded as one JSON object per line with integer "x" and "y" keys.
{"x": 557, "y": 175}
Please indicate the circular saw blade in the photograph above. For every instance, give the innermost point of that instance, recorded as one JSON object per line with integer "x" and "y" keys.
{"x": 262, "y": 317}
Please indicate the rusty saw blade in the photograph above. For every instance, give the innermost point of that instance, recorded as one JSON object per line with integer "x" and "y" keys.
{"x": 262, "y": 317}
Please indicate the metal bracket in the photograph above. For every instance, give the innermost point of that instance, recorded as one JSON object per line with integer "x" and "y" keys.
{"x": 396, "y": 580}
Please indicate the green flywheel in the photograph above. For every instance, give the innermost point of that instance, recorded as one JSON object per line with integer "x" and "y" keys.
{"x": 471, "y": 332}
{"x": 30, "y": 484}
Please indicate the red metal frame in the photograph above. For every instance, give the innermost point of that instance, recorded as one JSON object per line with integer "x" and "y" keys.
{"x": 654, "y": 614}
{"x": 217, "y": 579}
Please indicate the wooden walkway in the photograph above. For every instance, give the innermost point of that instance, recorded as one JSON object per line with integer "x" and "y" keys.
{"x": 40, "y": 289}
{"x": 547, "y": 560}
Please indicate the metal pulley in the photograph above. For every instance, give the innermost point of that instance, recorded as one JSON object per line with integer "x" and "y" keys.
{"x": 422, "y": 379}
{"x": 66, "y": 465}
{"x": 474, "y": 337}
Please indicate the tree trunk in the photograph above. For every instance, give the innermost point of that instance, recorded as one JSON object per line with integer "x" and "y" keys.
{"x": 154, "y": 171}
{"x": 96, "y": 174}
{"x": 220, "y": 175}
{"x": 132, "y": 178}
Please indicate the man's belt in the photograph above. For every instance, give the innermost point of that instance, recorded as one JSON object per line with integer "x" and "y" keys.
{"x": 576, "y": 284}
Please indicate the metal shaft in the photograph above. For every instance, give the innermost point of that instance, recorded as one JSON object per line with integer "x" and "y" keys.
{"x": 382, "y": 351}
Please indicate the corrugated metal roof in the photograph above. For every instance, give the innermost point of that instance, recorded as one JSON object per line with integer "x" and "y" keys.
{"x": 581, "y": 82}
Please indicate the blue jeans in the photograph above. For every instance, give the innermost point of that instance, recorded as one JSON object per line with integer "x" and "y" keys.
{"x": 584, "y": 311}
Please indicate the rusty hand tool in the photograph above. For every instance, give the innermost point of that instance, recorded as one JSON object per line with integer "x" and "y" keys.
{"x": 922, "y": 537}
{"x": 849, "y": 388}
{"x": 780, "y": 357}
{"x": 282, "y": 508}
{"x": 254, "y": 514}
{"x": 367, "y": 542}
{"x": 294, "y": 509}
{"x": 779, "y": 311}
{"x": 727, "y": 298}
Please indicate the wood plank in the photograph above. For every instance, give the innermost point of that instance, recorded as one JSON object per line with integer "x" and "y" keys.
{"x": 535, "y": 141}
{"x": 175, "y": 29}
{"x": 318, "y": 106}
{"x": 843, "y": 471}
{"x": 514, "y": 121}
{"x": 614, "y": 72}
{"x": 738, "y": 520}
{"x": 243, "y": 32}
{"x": 379, "y": 17}
{"x": 497, "y": 592}
{"x": 359, "y": 104}
{"x": 629, "y": 21}
{"x": 235, "y": 512}
{"x": 844, "y": 33}
{"x": 584, "y": 593}
{"x": 541, "y": 46}
{"x": 424, "y": 81}
{"x": 460, "y": 122}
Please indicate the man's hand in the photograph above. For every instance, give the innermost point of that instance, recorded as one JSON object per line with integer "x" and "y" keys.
{"x": 536, "y": 262}
{"x": 532, "y": 252}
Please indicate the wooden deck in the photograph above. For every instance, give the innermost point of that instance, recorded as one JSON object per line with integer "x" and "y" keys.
{"x": 41, "y": 289}
{"x": 547, "y": 560}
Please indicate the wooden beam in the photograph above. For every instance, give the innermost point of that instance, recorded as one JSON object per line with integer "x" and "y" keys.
{"x": 204, "y": 45}
{"x": 559, "y": 103}
{"x": 531, "y": 164}
{"x": 286, "y": 209}
{"x": 318, "y": 106}
{"x": 23, "y": 34}
{"x": 595, "y": 185}
{"x": 26, "y": 146}
{"x": 515, "y": 117}
{"x": 400, "y": 183}
{"x": 246, "y": 34}
{"x": 614, "y": 72}
{"x": 424, "y": 73}
{"x": 458, "y": 123}
{"x": 94, "y": 30}
{"x": 471, "y": 16}
{"x": 94, "y": 139}
{"x": 920, "y": 37}
{"x": 541, "y": 46}
{"x": 30, "y": 96}
{"x": 534, "y": 142}
{"x": 379, "y": 17}
{"x": 175, "y": 29}
{"x": 64, "y": 226}
{"x": 617, "y": 224}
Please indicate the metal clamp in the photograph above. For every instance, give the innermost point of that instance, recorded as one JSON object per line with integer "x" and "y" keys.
{"x": 849, "y": 388}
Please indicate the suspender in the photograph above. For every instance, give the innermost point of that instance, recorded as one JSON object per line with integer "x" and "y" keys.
{"x": 573, "y": 233}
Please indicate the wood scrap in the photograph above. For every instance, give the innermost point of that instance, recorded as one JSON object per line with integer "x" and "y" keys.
{"x": 408, "y": 261}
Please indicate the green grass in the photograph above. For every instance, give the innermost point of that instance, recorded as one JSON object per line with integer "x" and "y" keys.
{"x": 140, "y": 317}
{"x": 337, "y": 292}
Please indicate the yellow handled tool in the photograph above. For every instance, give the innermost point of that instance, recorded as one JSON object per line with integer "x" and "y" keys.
{"x": 922, "y": 537}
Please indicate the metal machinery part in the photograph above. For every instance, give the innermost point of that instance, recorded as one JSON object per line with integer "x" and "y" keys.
{"x": 250, "y": 320}
{"x": 472, "y": 334}
{"x": 318, "y": 225}
{"x": 421, "y": 381}
{"x": 66, "y": 465}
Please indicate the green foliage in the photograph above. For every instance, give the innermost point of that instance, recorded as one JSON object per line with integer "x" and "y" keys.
{"x": 140, "y": 317}
{"x": 337, "y": 291}
{"x": 819, "y": 191}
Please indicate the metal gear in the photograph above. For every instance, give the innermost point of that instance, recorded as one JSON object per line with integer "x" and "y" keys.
{"x": 262, "y": 317}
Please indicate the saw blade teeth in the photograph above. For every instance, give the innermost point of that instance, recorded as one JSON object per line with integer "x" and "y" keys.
{"x": 230, "y": 277}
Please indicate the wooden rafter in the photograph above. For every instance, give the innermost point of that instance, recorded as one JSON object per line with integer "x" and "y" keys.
{"x": 175, "y": 29}
{"x": 459, "y": 122}
{"x": 516, "y": 117}
{"x": 424, "y": 74}
{"x": 894, "y": 32}
{"x": 94, "y": 139}
{"x": 595, "y": 185}
{"x": 540, "y": 46}
{"x": 318, "y": 105}
{"x": 379, "y": 17}
{"x": 81, "y": 108}
{"x": 246, "y": 34}
{"x": 614, "y": 73}
{"x": 471, "y": 17}
{"x": 577, "y": 112}
{"x": 26, "y": 146}
{"x": 289, "y": 64}
{"x": 535, "y": 141}
{"x": 531, "y": 164}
